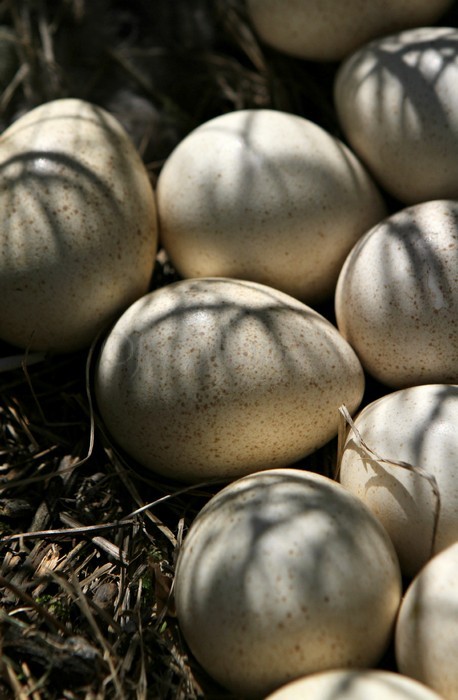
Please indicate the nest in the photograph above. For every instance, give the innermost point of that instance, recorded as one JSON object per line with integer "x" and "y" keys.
{"x": 88, "y": 541}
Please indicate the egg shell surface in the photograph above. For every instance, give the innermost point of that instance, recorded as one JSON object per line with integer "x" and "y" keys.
{"x": 397, "y": 296}
{"x": 354, "y": 685}
{"x": 266, "y": 196}
{"x": 218, "y": 378}
{"x": 329, "y": 30}
{"x": 78, "y": 235}
{"x": 426, "y": 640}
{"x": 417, "y": 426}
{"x": 284, "y": 573}
{"x": 397, "y": 104}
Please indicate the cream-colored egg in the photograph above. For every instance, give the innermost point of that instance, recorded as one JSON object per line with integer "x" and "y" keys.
{"x": 418, "y": 426}
{"x": 266, "y": 196}
{"x": 427, "y": 631}
{"x": 218, "y": 378}
{"x": 397, "y": 103}
{"x": 329, "y": 30}
{"x": 285, "y": 573}
{"x": 397, "y": 296}
{"x": 78, "y": 233}
{"x": 354, "y": 685}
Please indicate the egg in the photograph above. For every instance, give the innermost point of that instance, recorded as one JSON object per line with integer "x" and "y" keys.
{"x": 266, "y": 196}
{"x": 396, "y": 299}
{"x": 426, "y": 641}
{"x": 417, "y": 426}
{"x": 397, "y": 104}
{"x": 284, "y": 573}
{"x": 354, "y": 685}
{"x": 78, "y": 234}
{"x": 215, "y": 378}
{"x": 329, "y": 30}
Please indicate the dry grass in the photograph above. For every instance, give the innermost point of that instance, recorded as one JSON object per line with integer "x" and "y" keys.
{"x": 88, "y": 542}
{"x": 86, "y": 562}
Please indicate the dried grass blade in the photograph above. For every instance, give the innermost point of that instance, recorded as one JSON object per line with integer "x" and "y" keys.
{"x": 423, "y": 473}
{"x": 74, "y": 590}
{"x": 123, "y": 475}
{"x": 17, "y": 361}
{"x": 53, "y": 623}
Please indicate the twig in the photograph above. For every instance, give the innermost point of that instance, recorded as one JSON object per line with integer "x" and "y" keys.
{"x": 66, "y": 531}
{"x": 50, "y": 619}
{"x": 111, "y": 549}
{"x": 422, "y": 473}
{"x": 73, "y": 589}
{"x": 127, "y": 521}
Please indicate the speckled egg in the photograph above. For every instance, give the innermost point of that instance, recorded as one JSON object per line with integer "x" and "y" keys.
{"x": 78, "y": 233}
{"x": 284, "y": 573}
{"x": 397, "y": 103}
{"x": 426, "y": 641}
{"x": 397, "y": 297}
{"x": 218, "y": 378}
{"x": 354, "y": 685}
{"x": 266, "y": 196}
{"x": 329, "y": 30}
{"x": 418, "y": 426}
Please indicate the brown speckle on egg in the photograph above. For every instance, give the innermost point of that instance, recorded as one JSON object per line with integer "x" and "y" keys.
{"x": 396, "y": 102}
{"x": 416, "y": 426}
{"x": 290, "y": 202}
{"x": 267, "y": 395}
{"x": 397, "y": 296}
{"x": 303, "y": 609}
{"x": 78, "y": 225}
{"x": 329, "y": 30}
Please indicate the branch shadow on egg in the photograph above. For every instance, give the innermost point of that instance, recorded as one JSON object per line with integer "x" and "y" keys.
{"x": 217, "y": 384}
{"x": 265, "y": 196}
{"x": 404, "y": 469}
{"x": 263, "y": 573}
{"x": 425, "y": 643}
{"x": 400, "y": 282}
{"x": 36, "y": 245}
{"x": 393, "y": 98}
{"x": 69, "y": 227}
{"x": 403, "y": 62}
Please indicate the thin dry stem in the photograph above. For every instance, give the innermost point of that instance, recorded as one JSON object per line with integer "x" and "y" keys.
{"x": 422, "y": 473}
